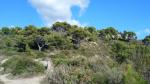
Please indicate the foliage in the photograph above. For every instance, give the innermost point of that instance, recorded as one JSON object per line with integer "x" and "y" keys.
{"x": 44, "y": 31}
{"x": 146, "y": 40}
{"x": 78, "y": 35}
{"x": 61, "y": 27}
{"x": 121, "y": 51}
{"x": 109, "y": 33}
{"x": 127, "y": 36}
{"x": 16, "y": 30}
{"x": 91, "y": 29}
{"x": 5, "y": 30}
{"x": 22, "y": 65}
{"x": 40, "y": 42}
{"x": 131, "y": 77}
{"x": 112, "y": 76}
{"x": 58, "y": 41}
{"x": 21, "y": 44}
{"x": 29, "y": 30}
{"x": 81, "y": 55}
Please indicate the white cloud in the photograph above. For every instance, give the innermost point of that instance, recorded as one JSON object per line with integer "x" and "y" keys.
{"x": 58, "y": 10}
{"x": 147, "y": 30}
{"x": 144, "y": 31}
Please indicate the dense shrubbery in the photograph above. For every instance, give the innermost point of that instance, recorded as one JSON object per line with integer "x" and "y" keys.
{"x": 81, "y": 55}
{"x": 121, "y": 51}
{"x": 22, "y": 65}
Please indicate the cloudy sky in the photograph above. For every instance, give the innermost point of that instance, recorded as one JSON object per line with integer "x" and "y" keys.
{"x": 132, "y": 15}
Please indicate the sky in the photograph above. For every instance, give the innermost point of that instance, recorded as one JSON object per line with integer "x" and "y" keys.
{"x": 130, "y": 15}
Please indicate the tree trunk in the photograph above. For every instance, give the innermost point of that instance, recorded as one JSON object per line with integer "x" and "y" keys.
{"x": 40, "y": 48}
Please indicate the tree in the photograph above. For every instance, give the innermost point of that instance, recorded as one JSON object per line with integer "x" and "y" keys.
{"x": 78, "y": 35}
{"x": 58, "y": 41}
{"x": 16, "y": 30}
{"x": 102, "y": 34}
{"x": 5, "y": 30}
{"x": 37, "y": 42}
{"x": 21, "y": 44}
{"x": 128, "y": 36}
{"x": 146, "y": 40}
{"x": 91, "y": 29}
{"x": 61, "y": 27}
{"x": 109, "y": 33}
{"x": 43, "y": 31}
{"x": 29, "y": 30}
{"x": 40, "y": 42}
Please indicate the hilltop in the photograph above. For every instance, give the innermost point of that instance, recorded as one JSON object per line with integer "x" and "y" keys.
{"x": 69, "y": 54}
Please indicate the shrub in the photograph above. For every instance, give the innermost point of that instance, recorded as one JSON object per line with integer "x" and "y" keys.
{"x": 78, "y": 35}
{"x": 108, "y": 76}
{"x": 22, "y": 65}
{"x": 120, "y": 51}
{"x": 5, "y": 30}
{"x": 59, "y": 42}
{"x": 109, "y": 33}
{"x": 59, "y": 76}
{"x": 99, "y": 78}
{"x": 68, "y": 75}
{"x": 21, "y": 43}
{"x": 132, "y": 77}
{"x": 60, "y": 58}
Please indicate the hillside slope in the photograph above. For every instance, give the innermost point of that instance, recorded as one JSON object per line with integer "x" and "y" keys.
{"x": 79, "y": 55}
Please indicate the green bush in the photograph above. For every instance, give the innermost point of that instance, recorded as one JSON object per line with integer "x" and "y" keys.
{"x": 99, "y": 78}
{"x": 5, "y": 30}
{"x": 60, "y": 58}
{"x": 108, "y": 76}
{"x": 22, "y": 65}
{"x": 58, "y": 41}
{"x": 120, "y": 51}
{"x": 132, "y": 77}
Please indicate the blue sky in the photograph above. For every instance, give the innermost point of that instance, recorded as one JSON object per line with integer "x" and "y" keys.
{"x": 132, "y": 15}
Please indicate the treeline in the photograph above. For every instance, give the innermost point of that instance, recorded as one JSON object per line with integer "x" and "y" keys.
{"x": 61, "y": 35}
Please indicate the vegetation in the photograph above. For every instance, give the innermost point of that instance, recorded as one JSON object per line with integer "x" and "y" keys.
{"x": 80, "y": 55}
{"x": 22, "y": 65}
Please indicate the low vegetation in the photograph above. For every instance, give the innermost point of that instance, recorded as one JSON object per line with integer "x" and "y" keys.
{"x": 18, "y": 65}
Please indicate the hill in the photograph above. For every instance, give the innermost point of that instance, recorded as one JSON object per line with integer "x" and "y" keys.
{"x": 79, "y": 55}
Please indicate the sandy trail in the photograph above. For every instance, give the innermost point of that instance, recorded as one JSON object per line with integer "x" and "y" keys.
{"x": 33, "y": 80}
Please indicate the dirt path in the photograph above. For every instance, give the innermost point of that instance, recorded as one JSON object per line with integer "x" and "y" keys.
{"x": 34, "y": 80}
